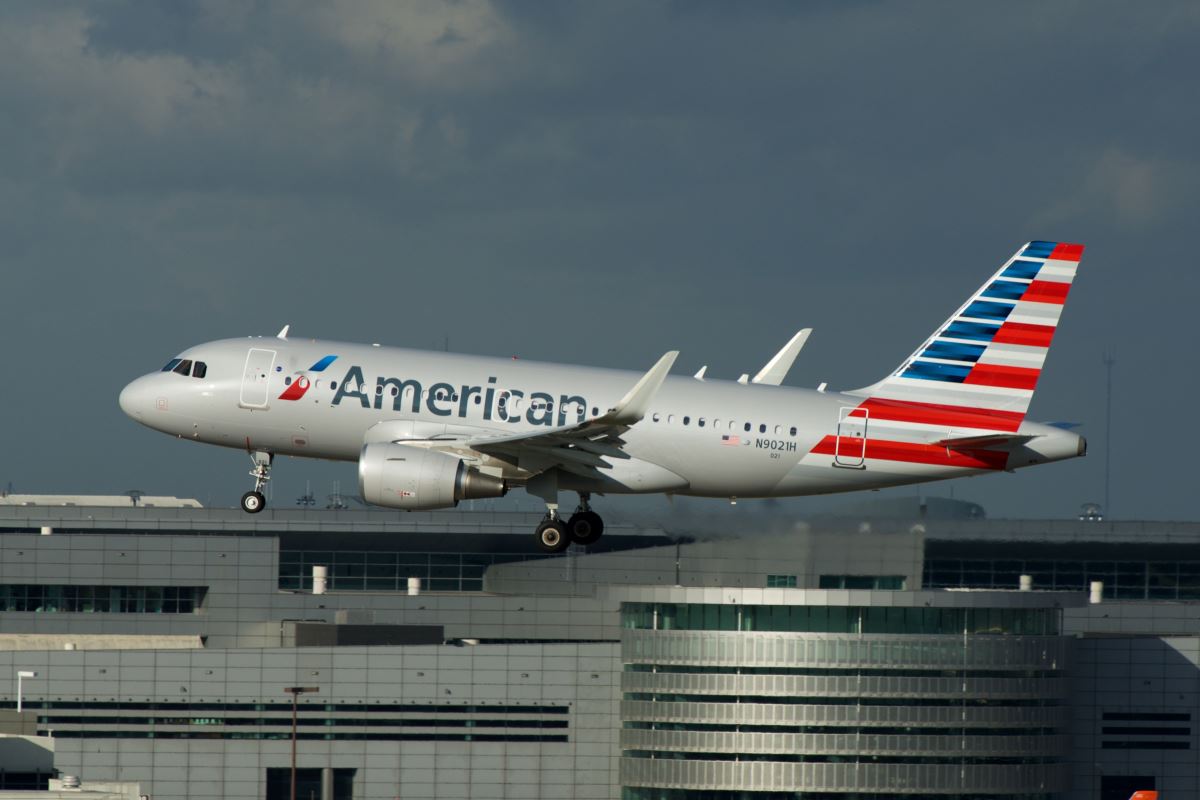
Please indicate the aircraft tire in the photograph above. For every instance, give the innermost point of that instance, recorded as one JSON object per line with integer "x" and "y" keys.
{"x": 585, "y": 527}
{"x": 552, "y": 536}
{"x": 253, "y": 502}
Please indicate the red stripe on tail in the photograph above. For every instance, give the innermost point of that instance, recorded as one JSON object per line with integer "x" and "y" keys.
{"x": 1024, "y": 333}
{"x": 1006, "y": 377}
{"x": 1067, "y": 252}
{"x": 1046, "y": 292}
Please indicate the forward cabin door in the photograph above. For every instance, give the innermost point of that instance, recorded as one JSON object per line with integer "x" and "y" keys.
{"x": 256, "y": 378}
{"x": 850, "y": 449}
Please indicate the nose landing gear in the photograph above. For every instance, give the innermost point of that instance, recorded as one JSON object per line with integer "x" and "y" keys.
{"x": 254, "y": 501}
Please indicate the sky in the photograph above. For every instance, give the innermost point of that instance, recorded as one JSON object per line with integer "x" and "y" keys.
{"x": 593, "y": 183}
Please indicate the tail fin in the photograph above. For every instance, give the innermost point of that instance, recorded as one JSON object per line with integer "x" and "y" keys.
{"x": 985, "y": 360}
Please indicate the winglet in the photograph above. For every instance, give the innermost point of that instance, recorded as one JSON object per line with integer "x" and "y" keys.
{"x": 700, "y": 373}
{"x": 283, "y": 333}
{"x": 777, "y": 368}
{"x": 636, "y": 402}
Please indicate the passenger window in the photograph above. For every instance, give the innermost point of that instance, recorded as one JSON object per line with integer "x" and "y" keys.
{"x": 654, "y": 416}
{"x": 183, "y": 367}
{"x": 793, "y": 430}
{"x": 747, "y": 427}
{"x": 395, "y": 391}
{"x": 732, "y": 424}
{"x": 171, "y": 365}
{"x": 287, "y": 381}
{"x": 333, "y": 385}
{"x": 670, "y": 417}
{"x": 687, "y": 420}
{"x": 700, "y": 422}
{"x": 199, "y": 370}
{"x": 762, "y": 428}
{"x": 595, "y": 411}
{"x": 778, "y": 429}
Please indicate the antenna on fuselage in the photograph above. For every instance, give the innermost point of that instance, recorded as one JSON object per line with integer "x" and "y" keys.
{"x": 283, "y": 333}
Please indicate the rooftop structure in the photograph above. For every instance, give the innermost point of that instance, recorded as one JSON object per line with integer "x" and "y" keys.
{"x": 834, "y": 659}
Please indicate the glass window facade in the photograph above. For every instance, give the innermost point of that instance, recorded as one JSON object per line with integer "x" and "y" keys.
{"x": 781, "y": 581}
{"x": 383, "y": 571}
{"x": 43, "y": 598}
{"x": 1123, "y": 580}
{"x": 889, "y": 583}
{"x": 840, "y": 619}
{"x": 316, "y": 721}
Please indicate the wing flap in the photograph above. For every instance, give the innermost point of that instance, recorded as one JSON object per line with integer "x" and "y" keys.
{"x": 579, "y": 448}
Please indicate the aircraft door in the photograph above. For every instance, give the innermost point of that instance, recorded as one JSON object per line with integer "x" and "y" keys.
{"x": 850, "y": 449}
{"x": 256, "y": 378}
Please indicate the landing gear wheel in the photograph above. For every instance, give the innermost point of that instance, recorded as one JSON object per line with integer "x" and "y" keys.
{"x": 253, "y": 502}
{"x": 552, "y": 536}
{"x": 585, "y": 527}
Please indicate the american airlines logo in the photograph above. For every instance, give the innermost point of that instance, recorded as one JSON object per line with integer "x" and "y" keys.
{"x": 297, "y": 388}
{"x": 447, "y": 400}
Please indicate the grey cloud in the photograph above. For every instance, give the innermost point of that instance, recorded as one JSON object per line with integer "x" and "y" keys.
{"x": 709, "y": 176}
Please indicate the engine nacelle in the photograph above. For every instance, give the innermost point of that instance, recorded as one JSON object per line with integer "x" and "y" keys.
{"x": 418, "y": 479}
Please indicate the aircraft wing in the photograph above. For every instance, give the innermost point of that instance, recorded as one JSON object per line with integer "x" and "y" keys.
{"x": 777, "y": 368}
{"x": 578, "y": 448}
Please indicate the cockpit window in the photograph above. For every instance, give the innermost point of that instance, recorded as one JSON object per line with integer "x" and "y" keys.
{"x": 183, "y": 367}
{"x": 199, "y": 370}
{"x": 172, "y": 364}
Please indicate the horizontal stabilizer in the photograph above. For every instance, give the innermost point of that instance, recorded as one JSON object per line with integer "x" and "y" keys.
{"x": 992, "y": 441}
{"x": 777, "y": 368}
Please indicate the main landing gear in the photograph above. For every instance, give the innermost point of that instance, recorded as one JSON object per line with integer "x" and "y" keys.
{"x": 583, "y": 527}
{"x": 254, "y": 501}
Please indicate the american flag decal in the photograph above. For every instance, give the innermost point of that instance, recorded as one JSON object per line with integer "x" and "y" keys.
{"x": 733, "y": 441}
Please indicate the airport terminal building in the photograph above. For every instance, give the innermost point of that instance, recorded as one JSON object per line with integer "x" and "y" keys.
{"x": 441, "y": 657}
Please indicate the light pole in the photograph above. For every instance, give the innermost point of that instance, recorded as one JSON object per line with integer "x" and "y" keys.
{"x": 22, "y": 675}
{"x": 295, "y": 692}
{"x": 1109, "y": 360}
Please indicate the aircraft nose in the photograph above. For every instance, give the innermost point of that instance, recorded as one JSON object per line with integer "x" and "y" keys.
{"x": 137, "y": 398}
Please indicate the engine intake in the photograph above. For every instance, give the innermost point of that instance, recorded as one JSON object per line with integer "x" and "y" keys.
{"x": 417, "y": 479}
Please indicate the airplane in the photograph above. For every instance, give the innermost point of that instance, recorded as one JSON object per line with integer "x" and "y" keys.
{"x": 429, "y": 429}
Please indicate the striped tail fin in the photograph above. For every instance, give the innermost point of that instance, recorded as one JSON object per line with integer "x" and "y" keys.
{"x": 979, "y": 369}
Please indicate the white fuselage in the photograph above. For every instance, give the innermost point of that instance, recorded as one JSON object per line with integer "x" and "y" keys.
{"x": 710, "y": 438}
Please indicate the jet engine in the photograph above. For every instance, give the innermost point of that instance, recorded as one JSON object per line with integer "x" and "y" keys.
{"x": 418, "y": 479}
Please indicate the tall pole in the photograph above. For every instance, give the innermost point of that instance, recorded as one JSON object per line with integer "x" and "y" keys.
{"x": 295, "y": 697}
{"x": 295, "y": 692}
{"x": 1109, "y": 360}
